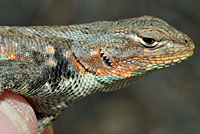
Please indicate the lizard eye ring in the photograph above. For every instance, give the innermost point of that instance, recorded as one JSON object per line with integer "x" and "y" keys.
{"x": 148, "y": 42}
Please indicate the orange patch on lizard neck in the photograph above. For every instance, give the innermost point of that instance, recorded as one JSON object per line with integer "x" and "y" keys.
{"x": 95, "y": 65}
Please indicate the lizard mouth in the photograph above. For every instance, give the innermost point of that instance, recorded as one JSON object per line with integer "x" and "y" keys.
{"x": 185, "y": 55}
{"x": 182, "y": 56}
{"x": 166, "y": 61}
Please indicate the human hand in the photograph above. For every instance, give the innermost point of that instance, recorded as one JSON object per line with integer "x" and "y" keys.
{"x": 17, "y": 116}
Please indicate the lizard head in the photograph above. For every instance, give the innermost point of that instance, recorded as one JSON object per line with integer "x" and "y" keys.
{"x": 132, "y": 47}
{"x": 144, "y": 44}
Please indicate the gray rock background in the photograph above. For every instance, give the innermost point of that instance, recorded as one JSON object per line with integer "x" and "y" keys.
{"x": 163, "y": 102}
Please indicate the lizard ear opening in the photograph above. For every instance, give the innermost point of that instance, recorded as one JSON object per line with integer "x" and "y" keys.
{"x": 106, "y": 59}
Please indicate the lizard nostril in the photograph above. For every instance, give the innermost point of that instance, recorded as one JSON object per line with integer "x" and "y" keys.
{"x": 184, "y": 41}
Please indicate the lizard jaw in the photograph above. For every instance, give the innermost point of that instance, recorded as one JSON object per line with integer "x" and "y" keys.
{"x": 167, "y": 61}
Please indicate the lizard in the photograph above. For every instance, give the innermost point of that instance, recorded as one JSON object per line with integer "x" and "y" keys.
{"x": 53, "y": 66}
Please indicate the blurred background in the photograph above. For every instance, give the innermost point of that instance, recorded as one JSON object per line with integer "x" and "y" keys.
{"x": 163, "y": 102}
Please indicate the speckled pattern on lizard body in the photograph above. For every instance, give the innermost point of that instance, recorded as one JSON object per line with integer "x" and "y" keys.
{"x": 53, "y": 66}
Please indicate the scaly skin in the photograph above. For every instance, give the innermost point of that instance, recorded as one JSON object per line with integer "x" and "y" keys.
{"x": 53, "y": 66}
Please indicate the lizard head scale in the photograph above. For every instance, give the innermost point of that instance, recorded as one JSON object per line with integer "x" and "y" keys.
{"x": 132, "y": 47}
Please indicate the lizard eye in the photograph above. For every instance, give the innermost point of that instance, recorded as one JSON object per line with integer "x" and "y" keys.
{"x": 148, "y": 42}
{"x": 149, "y": 38}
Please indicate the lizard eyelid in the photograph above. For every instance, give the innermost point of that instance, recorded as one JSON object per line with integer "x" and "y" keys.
{"x": 151, "y": 34}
